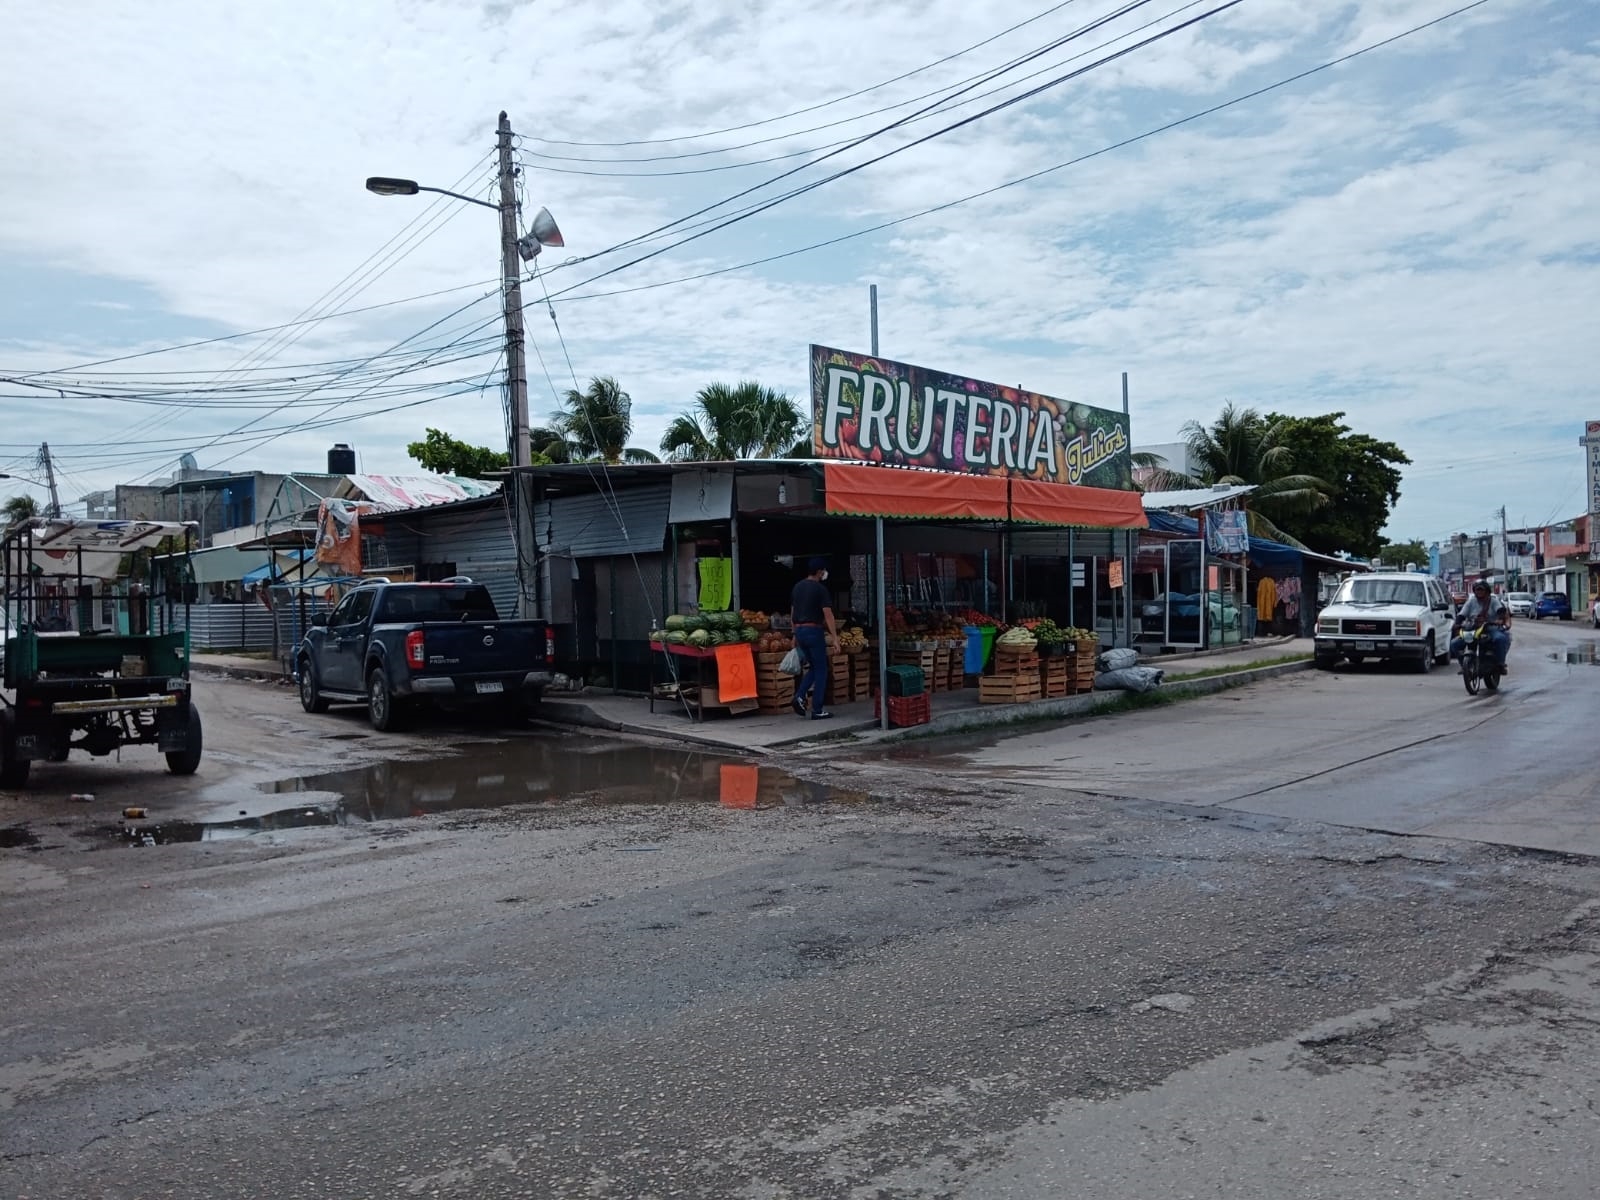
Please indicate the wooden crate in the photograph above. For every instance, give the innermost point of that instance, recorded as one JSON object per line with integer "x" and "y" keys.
{"x": 1008, "y": 689}
{"x": 1016, "y": 660}
{"x": 958, "y": 677}
{"x": 1054, "y": 677}
{"x": 939, "y": 677}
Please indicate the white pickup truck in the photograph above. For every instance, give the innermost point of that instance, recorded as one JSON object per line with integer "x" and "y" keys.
{"x": 1395, "y": 616}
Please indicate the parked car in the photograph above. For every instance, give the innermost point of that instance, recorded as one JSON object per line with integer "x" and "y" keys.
{"x": 1520, "y": 603}
{"x": 1552, "y": 604}
{"x": 1594, "y": 613}
{"x": 1404, "y": 616}
{"x": 393, "y": 646}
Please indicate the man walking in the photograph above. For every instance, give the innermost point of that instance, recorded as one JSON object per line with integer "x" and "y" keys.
{"x": 815, "y": 634}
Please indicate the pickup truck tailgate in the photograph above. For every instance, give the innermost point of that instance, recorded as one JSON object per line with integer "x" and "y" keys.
{"x": 481, "y": 647}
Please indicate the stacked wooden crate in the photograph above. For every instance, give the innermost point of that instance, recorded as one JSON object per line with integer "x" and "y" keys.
{"x": 863, "y": 674}
{"x": 939, "y": 676}
{"x": 774, "y": 689}
{"x": 839, "y": 683}
{"x": 921, "y": 655}
{"x": 1015, "y": 679}
{"x": 1055, "y": 677}
{"x": 1080, "y": 660}
{"x": 958, "y": 666}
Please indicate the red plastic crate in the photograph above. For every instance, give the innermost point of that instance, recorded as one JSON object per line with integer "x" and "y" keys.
{"x": 906, "y": 710}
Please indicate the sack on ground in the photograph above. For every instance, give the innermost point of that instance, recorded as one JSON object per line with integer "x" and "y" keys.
{"x": 793, "y": 662}
{"x": 1119, "y": 660}
{"x": 1130, "y": 679}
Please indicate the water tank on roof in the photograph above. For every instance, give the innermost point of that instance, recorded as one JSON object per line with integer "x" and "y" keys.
{"x": 341, "y": 460}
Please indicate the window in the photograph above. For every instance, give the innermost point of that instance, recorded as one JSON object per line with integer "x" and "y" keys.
{"x": 438, "y": 602}
{"x": 1382, "y": 591}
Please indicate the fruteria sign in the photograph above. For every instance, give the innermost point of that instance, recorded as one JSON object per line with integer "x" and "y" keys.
{"x": 878, "y": 410}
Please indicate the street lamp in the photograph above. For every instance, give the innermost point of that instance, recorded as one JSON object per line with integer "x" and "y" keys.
{"x": 543, "y": 232}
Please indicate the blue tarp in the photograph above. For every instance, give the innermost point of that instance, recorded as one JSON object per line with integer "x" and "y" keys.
{"x": 1262, "y": 551}
{"x": 269, "y": 571}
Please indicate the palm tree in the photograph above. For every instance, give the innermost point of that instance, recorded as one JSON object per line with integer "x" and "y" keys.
{"x": 18, "y": 509}
{"x": 1242, "y": 447}
{"x": 597, "y": 423}
{"x": 744, "y": 420}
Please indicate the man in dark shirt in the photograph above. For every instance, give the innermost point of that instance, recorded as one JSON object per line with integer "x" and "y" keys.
{"x": 811, "y": 609}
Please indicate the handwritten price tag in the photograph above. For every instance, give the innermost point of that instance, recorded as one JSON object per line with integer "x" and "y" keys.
{"x": 736, "y": 673}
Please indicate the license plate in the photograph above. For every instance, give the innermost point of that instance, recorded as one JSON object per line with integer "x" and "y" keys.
{"x": 1365, "y": 646}
{"x": 490, "y": 686}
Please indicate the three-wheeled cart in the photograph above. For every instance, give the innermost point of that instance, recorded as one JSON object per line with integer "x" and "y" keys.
{"x": 94, "y": 659}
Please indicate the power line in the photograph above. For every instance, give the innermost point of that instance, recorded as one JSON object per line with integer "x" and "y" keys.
{"x": 812, "y": 107}
{"x": 1022, "y": 179}
{"x": 773, "y": 203}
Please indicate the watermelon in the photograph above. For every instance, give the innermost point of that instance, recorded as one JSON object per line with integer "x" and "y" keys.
{"x": 699, "y": 637}
{"x": 694, "y": 623}
{"x": 677, "y": 637}
{"x": 675, "y": 621}
{"x": 750, "y": 634}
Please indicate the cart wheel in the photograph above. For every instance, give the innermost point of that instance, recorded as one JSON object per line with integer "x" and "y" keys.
{"x": 383, "y": 711}
{"x": 310, "y": 697}
{"x": 13, "y": 770}
{"x": 187, "y": 761}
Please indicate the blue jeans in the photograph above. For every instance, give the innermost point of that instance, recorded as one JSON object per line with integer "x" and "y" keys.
{"x": 812, "y": 642}
{"x": 1499, "y": 642}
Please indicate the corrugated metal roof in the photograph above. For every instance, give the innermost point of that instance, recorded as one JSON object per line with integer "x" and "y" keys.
{"x": 395, "y": 492}
{"x": 1197, "y": 497}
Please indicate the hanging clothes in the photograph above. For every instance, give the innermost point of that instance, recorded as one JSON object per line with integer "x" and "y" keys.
{"x": 1289, "y": 592}
{"x": 1266, "y": 598}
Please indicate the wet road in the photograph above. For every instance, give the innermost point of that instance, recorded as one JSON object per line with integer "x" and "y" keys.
{"x": 559, "y": 965}
{"x": 1372, "y": 746}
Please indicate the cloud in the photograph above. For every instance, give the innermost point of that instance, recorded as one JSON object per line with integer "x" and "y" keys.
{"x": 1410, "y": 237}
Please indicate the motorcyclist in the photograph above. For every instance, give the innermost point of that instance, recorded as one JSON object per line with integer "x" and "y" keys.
{"x": 1484, "y": 610}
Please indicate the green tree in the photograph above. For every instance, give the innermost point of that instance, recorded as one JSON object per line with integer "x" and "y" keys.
{"x": 743, "y": 420}
{"x": 18, "y": 509}
{"x": 1243, "y": 447}
{"x": 597, "y": 423}
{"x": 1398, "y": 554}
{"x": 1362, "y": 472}
{"x": 440, "y": 452}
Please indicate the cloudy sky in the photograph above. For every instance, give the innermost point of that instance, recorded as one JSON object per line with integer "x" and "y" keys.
{"x": 1410, "y": 236}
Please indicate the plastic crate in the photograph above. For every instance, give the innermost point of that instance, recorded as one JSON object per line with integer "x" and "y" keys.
{"x": 906, "y": 681}
{"x": 906, "y": 710}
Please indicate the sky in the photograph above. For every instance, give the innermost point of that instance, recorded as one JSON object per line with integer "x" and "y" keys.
{"x": 1411, "y": 236}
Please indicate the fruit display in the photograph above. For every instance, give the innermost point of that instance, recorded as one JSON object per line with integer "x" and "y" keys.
{"x": 1046, "y": 632}
{"x": 773, "y": 642}
{"x": 758, "y": 621}
{"x": 853, "y": 640}
{"x": 708, "y": 629}
{"x": 1017, "y": 638}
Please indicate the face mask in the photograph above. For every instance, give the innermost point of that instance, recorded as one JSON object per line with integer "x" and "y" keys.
{"x": 824, "y": 577}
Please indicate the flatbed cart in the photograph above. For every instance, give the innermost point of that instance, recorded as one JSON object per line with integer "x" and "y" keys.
{"x": 94, "y": 659}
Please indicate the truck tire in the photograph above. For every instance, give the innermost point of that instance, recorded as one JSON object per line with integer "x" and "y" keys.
{"x": 1425, "y": 663}
{"x": 187, "y": 760}
{"x": 384, "y": 712}
{"x": 13, "y": 770}
{"x": 310, "y": 696}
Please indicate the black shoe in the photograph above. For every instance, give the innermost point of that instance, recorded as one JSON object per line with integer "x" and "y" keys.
{"x": 799, "y": 706}
{"x": 821, "y": 716}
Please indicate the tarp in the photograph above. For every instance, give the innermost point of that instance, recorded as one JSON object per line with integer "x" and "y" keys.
{"x": 95, "y": 549}
{"x": 1042, "y": 503}
{"x": 935, "y": 495}
{"x": 1263, "y": 552}
{"x": 415, "y": 491}
{"x": 222, "y": 564}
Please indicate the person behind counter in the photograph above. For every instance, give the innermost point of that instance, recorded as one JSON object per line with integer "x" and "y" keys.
{"x": 815, "y": 634}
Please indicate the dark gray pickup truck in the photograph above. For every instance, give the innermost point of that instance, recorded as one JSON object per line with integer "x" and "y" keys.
{"x": 393, "y": 646}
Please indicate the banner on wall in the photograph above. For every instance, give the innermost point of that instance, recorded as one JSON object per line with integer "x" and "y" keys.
{"x": 1227, "y": 532}
{"x": 870, "y": 409}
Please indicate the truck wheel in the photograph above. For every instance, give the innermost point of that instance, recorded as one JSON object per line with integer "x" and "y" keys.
{"x": 310, "y": 698}
{"x": 13, "y": 770}
{"x": 187, "y": 760}
{"x": 1325, "y": 662}
{"x": 1425, "y": 663}
{"x": 383, "y": 712}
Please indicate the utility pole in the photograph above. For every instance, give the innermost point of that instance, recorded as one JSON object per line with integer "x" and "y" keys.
{"x": 511, "y": 272}
{"x": 50, "y": 480}
{"x": 1505, "y": 553}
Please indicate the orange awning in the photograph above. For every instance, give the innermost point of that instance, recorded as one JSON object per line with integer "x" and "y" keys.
{"x": 865, "y": 491}
{"x": 1066, "y": 504}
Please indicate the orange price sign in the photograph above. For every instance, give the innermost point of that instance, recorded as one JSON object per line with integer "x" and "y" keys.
{"x": 736, "y": 673}
{"x": 1115, "y": 571}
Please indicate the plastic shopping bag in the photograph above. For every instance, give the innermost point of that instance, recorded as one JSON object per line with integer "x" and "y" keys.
{"x": 793, "y": 662}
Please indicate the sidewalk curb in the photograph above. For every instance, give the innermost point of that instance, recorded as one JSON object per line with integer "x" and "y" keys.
{"x": 1159, "y": 660}
{"x": 998, "y": 715}
{"x": 260, "y": 675}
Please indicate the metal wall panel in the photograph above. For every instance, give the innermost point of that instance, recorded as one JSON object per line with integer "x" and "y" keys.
{"x": 588, "y": 526}
{"x": 1053, "y": 543}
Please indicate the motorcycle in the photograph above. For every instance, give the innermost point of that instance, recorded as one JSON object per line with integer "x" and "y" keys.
{"x": 1477, "y": 661}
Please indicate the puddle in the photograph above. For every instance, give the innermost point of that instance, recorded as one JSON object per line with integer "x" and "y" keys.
{"x": 1585, "y": 653}
{"x": 166, "y": 833}
{"x": 561, "y": 771}
{"x": 14, "y": 837}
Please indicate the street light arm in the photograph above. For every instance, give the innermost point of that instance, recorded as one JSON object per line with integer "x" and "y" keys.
{"x": 459, "y": 196}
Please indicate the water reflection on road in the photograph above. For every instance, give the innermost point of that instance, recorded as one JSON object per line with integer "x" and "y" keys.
{"x": 561, "y": 770}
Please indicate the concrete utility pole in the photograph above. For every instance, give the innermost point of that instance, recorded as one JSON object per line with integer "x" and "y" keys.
{"x": 50, "y": 480}
{"x": 511, "y": 270}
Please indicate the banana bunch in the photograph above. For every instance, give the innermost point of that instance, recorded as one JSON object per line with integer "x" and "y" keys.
{"x": 853, "y": 640}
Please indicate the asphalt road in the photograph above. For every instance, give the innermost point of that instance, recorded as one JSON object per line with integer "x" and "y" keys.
{"x": 944, "y": 975}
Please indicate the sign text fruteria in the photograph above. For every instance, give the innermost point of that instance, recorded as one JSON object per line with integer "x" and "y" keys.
{"x": 877, "y": 410}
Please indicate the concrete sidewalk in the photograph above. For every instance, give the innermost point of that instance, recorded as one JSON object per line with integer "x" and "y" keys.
{"x": 238, "y": 666}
